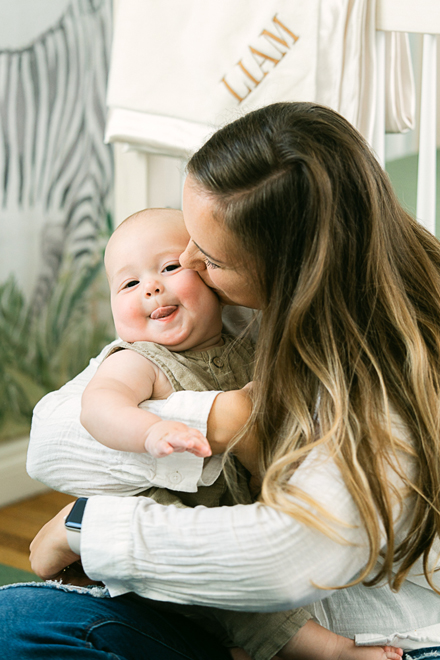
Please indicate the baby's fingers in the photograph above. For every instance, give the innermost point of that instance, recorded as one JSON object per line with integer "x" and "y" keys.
{"x": 190, "y": 440}
{"x": 200, "y": 445}
{"x": 159, "y": 449}
{"x": 165, "y": 438}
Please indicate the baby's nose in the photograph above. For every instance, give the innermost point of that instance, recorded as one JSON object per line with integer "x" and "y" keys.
{"x": 152, "y": 286}
{"x": 152, "y": 289}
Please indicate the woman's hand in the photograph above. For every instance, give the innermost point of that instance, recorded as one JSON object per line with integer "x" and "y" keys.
{"x": 50, "y": 552}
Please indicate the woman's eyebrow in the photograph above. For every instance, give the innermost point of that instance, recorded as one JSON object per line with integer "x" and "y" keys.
{"x": 207, "y": 255}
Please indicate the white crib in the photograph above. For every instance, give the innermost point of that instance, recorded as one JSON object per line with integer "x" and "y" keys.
{"x": 143, "y": 180}
{"x": 423, "y": 17}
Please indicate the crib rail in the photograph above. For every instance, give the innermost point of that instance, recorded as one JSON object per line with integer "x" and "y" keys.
{"x": 147, "y": 180}
{"x": 421, "y": 17}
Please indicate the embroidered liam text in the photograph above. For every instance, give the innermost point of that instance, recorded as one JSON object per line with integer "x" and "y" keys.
{"x": 259, "y": 62}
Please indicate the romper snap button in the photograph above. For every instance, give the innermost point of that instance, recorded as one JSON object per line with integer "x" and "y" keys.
{"x": 175, "y": 477}
{"x": 218, "y": 362}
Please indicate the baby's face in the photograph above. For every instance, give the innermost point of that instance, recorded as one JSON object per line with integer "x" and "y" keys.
{"x": 153, "y": 298}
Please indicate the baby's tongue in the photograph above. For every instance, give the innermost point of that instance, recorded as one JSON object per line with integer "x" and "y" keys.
{"x": 162, "y": 312}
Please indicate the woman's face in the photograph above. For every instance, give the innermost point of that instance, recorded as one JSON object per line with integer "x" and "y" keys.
{"x": 213, "y": 253}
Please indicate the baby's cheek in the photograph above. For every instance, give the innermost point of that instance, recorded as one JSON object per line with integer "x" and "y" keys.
{"x": 202, "y": 300}
{"x": 191, "y": 286}
{"x": 126, "y": 314}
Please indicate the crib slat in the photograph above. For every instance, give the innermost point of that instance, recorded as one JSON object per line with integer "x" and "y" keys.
{"x": 379, "y": 123}
{"x": 426, "y": 184}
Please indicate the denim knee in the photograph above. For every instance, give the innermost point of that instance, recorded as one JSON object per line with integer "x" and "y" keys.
{"x": 43, "y": 620}
{"x": 423, "y": 653}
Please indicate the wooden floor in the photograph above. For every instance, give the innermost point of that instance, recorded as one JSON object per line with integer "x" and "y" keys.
{"x": 20, "y": 522}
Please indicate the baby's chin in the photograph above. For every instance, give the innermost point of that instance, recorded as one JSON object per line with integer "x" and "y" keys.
{"x": 180, "y": 343}
{"x": 177, "y": 343}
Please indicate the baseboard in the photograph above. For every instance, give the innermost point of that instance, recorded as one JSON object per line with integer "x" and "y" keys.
{"x": 15, "y": 483}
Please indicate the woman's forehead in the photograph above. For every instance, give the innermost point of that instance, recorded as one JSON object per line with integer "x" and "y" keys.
{"x": 205, "y": 228}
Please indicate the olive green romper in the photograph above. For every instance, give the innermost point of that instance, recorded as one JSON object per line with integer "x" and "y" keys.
{"x": 226, "y": 367}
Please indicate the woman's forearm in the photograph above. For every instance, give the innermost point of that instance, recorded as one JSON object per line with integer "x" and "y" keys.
{"x": 242, "y": 557}
{"x": 229, "y": 413}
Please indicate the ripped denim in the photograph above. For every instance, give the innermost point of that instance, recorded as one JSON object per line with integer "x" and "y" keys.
{"x": 41, "y": 620}
{"x": 423, "y": 653}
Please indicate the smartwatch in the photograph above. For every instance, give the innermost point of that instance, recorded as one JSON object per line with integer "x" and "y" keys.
{"x": 73, "y": 524}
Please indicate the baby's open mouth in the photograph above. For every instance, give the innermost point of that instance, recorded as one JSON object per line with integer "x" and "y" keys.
{"x": 163, "y": 312}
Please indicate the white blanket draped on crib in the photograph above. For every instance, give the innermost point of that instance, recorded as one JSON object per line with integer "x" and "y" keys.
{"x": 180, "y": 70}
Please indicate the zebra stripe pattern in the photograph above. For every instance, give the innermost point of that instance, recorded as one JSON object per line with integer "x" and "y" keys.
{"x": 53, "y": 163}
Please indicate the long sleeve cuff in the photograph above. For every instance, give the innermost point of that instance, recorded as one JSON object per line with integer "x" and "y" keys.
{"x": 65, "y": 457}
{"x": 185, "y": 472}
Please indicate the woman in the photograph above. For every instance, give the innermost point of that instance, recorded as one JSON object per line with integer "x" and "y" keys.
{"x": 289, "y": 212}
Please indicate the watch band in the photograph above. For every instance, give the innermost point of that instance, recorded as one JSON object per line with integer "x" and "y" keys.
{"x": 74, "y": 540}
{"x": 73, "y": 524}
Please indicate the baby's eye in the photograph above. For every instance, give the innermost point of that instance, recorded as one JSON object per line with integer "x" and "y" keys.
{"x": 171, "y": 267}
{"x": 131, "y": 283}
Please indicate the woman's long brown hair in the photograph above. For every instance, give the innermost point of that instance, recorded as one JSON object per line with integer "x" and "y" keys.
{"x": 350, "y": 331}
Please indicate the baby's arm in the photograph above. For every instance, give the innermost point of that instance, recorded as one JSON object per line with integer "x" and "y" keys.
{"x": 313, "y": 642}
{"x": 111, "y": 415}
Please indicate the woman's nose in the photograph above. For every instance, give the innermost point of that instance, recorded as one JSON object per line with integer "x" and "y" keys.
{"x": 192, "y": 258}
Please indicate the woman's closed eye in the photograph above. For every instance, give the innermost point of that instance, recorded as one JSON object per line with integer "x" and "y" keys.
{"x": 210, "y": 264}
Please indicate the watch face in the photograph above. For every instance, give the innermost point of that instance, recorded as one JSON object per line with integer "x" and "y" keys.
{"x": 74, "y": 519}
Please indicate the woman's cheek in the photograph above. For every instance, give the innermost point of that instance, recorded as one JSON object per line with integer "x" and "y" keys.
{"x": 206, "y": 277}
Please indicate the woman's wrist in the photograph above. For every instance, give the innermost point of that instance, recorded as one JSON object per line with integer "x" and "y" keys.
{"x": 73, "y": 524}
{"x": 50, "y": 552}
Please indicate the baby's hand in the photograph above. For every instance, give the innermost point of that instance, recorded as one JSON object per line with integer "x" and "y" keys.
{"x": 165, "y": 437}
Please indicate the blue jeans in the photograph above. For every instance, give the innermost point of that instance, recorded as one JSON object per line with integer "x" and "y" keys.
{"x": 423, "y": 654}
{"x": 42, "y": 621}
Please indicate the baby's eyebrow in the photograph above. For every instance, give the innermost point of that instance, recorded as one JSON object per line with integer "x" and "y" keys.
{"x": 122, "y": 271}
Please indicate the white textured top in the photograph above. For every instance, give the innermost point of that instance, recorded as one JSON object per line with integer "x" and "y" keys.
{"x": 243, "y": 557}
{"x": 65, "y": 456}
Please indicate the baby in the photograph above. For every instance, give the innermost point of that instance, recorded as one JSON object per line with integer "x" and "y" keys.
{"x": 171, "y": 327}
{"x": 157, "y": 301}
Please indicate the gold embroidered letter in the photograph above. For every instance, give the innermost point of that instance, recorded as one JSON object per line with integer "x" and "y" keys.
{"x": 269, "y": 35}
{"x": 265, "y": 57}
{"x": 233, "y": 92}
{"x": 286, "y": 29}
{"x": 249, "y": 75}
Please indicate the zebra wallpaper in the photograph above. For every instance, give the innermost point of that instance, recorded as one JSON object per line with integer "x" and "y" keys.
{"x": 56, "y": 182}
